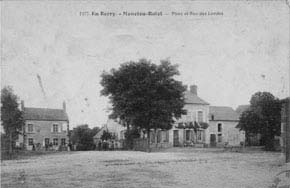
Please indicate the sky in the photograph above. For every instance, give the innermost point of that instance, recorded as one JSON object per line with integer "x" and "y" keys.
{"x": 51, "y": 53}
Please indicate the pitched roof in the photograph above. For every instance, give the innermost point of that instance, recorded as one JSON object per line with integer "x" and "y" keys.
{"x": 45, "y": 114}
{"x": 191, "y": 98}
{"x": 241, "y": 108}
{"x": 222, "y": 113}
{"x": 100, "y": 133}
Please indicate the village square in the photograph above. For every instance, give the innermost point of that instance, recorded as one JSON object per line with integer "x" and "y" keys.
{"x": 145, "y": 94}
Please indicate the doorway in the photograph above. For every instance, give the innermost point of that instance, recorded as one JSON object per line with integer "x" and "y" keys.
{"x": 213, "y": 140}
{"x": 175, "y": 138}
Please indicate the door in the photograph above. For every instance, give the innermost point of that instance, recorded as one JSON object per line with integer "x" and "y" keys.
{"x": 175, "y": 138}
{"x": 213, "y": 140}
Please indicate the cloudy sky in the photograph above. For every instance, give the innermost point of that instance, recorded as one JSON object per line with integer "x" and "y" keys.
{"x": 52, "y": 54}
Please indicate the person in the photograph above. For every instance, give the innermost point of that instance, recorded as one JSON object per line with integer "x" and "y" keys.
{"x": 50, "y": 146}
{"x": 105, "y": 145}
{"x": 100, "y": 145}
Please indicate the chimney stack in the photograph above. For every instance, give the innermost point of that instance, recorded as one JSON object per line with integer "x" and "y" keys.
{"x": 193, "y": 89}
{"x": 22, "y": 105}
{"x": 64, "y": 106}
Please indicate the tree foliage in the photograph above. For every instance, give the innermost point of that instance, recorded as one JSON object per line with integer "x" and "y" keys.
{"x": 263, "y": 116}
{"x": 107, "y": 136}
{"x": 144, "y": 95}
{"x": 82, "y": 137}
{"x": 11, "y": 116}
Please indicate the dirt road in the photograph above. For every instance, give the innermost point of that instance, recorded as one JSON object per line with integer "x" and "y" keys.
{"x": 177, "y": 168}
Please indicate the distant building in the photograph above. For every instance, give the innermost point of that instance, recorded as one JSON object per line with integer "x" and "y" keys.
{"x": 202, "y": 126}
{"x": 197, "y": 115}
{"x": 117, "y": 131}
{"x": 44, "y": 128}
{"x": 223, "y": 121}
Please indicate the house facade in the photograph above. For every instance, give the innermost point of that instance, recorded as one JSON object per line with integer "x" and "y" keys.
{"x": 197, "y": 111}
{"x": 44, "y": 128}
{"x": 222, "y": 130}
{"x": 202, "y": 126}
{"x": 117, "y": 131}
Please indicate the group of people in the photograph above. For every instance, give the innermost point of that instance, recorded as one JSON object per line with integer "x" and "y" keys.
{"x": 106, "y": 145}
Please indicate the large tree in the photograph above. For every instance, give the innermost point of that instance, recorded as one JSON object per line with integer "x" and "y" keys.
{"x": 82, "y": 137}
{"x": 264, "y": 117}
{"x": 145, "y": 95}
{"x": 11, "y": 116}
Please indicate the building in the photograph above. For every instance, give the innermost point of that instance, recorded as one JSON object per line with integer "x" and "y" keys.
{"x": 183, "y": 132}
{"x": 44, "y": 128}
{"x": 116, "y": 130}
{"x": 202, "y": 126}
{"x": 223, "y": 121}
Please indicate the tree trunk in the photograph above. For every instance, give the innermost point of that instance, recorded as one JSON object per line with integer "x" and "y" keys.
{"x": 10, "y": 145}
{"x": 148, "y": 140}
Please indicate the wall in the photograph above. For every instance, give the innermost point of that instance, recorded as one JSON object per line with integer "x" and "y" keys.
{"x": 191, "y": 116}
{"x": 43, "y": 129}
{"x": 115, "y": 128}
{"x": 229, "y": 132}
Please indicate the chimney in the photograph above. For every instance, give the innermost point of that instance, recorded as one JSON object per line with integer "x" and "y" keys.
{"x": 193, "y": 89}
{"x": 64, "y": 106}
{"x": 22, "y": 105}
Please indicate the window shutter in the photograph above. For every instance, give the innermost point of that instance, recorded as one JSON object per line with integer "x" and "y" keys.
{"x": 59, "y": 128}
{"x": 51, "y": 128}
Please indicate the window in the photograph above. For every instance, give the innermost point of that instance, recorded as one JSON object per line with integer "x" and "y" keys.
{"x": 55, "y": 128}
{"x": 30, "y": 141}
{"x": 187, "y": 135}
{"x": 212, "y": 117}
{"x": 63, "y": 141}
{"x": 46, "y": 141}
{"x": 200, "y": 116}
{"x": 219, "y": 127}
{"x": 30, "y": 128}
{"x": 220, "y": 138}
{"x": 55, "y": 141}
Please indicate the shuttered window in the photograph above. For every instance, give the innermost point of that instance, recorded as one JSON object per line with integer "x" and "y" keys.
{"x": 55, "y": 128}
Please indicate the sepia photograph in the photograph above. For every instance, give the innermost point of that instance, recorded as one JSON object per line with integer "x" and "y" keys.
{"x": 145, "y": 94}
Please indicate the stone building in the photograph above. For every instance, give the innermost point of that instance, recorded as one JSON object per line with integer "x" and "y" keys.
{"x": 44, "y": 128}
{"x": 223, "y": 121}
